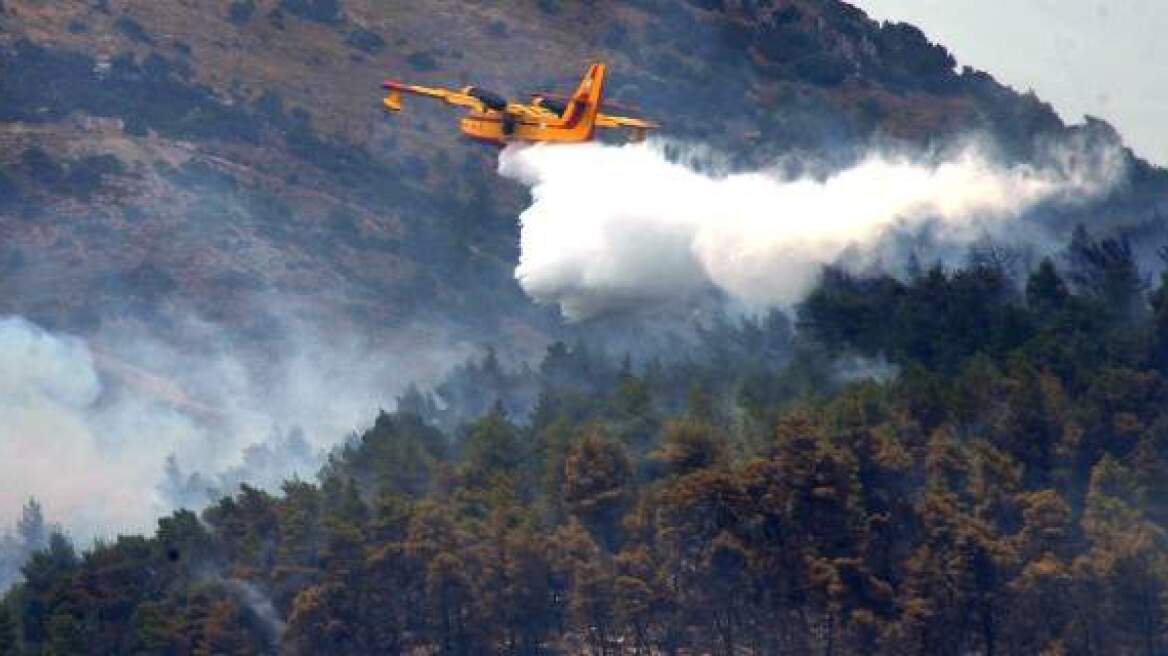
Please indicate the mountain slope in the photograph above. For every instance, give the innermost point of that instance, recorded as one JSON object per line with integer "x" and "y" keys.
{"x": 202, "y": 153}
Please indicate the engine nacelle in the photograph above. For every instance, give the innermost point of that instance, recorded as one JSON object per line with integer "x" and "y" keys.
{"x": 489, "y": 99}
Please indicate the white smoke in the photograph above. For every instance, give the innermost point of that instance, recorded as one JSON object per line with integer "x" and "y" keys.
{"x": 53, "y": 433}
{"x": 259, "y": 604}
{"x": 97, "y": 429}
{"x": 625, "y": 226}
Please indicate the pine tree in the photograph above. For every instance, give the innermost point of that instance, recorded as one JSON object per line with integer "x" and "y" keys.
{"x": 597, "y": 476}
{"x": 1159, "y": 346}
{"x": 1106, "y": 270}
{"x": 31, "y": 527}
{"x": 690, "y": 445}
{"x": 1046, "y": 292}
{"x": 9, "y": 644}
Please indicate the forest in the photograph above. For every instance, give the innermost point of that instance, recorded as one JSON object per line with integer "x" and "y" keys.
{"x": 967, "y": 460}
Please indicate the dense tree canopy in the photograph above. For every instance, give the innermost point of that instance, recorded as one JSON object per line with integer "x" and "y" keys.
{"x": 1001, "y": 494}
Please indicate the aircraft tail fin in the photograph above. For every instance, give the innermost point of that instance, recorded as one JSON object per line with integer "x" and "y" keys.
{"x": 584, "y": 105}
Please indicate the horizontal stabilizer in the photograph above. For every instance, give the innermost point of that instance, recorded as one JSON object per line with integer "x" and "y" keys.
{"x": 393, "y": 101}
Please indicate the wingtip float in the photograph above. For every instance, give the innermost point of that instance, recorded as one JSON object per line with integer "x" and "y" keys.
{"x": 493, "y": 119}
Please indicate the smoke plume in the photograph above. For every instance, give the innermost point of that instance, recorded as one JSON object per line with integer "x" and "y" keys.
{"x": 111, "y": 431}
{"x": 613, "y": 227}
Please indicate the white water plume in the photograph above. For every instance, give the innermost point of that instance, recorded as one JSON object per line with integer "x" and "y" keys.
{"x": 614, "y": 227}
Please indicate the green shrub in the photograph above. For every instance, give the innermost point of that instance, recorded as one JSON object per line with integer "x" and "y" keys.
{"x": 133, "y": 29}
{"x": 319, "y": 11}
{"x": 241, "y": 11}
{"x": 365, "y": 41}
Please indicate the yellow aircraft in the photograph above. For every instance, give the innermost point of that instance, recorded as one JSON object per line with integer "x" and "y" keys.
{"x": 546, "y": 118}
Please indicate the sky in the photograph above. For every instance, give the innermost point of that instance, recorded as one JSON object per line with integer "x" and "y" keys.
{"x": 1105, "y": 58}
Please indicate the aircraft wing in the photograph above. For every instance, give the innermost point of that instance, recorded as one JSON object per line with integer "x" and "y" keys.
{"x": 610, "y": 121}
{"x": 460, "y": 98}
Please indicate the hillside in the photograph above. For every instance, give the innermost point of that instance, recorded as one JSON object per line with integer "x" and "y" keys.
{"x": 1001, "y": 494}
{"x": 959, "y": 459}
{"x": 202, "y": 154}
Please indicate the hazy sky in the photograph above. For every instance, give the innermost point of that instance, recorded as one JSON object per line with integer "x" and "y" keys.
{"x": 1106, "y": 58}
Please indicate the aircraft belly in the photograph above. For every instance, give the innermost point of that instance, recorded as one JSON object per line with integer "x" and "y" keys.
{"x": 483, "y": 129}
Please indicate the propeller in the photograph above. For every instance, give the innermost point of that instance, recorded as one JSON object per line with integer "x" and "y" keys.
{"x": 489, "y": 99}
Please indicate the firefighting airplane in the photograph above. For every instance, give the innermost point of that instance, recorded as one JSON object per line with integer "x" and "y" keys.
{"x": 547, "y": 117}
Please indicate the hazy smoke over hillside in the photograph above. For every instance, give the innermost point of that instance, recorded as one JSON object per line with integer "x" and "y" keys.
{"x": 107, "y": 432}
{"x": 621, "y": 226}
